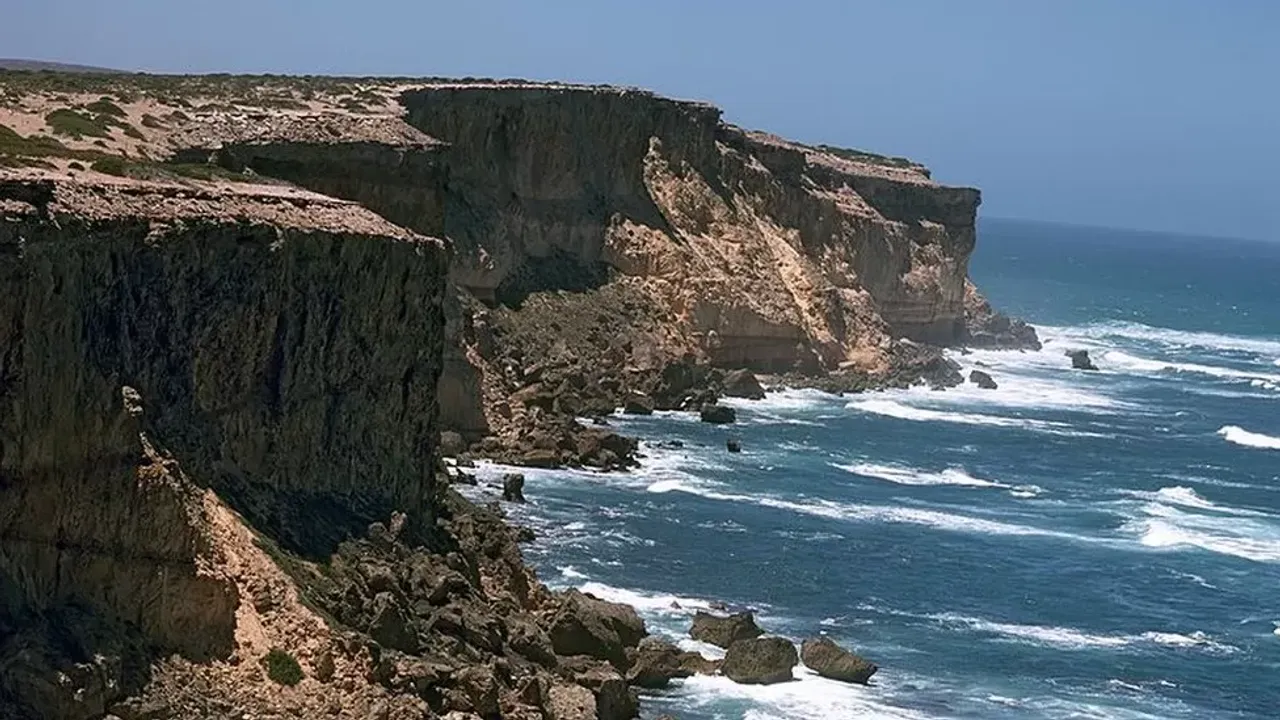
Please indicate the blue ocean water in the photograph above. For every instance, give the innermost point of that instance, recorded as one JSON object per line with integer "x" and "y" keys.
{"x": 1071, "y": 545}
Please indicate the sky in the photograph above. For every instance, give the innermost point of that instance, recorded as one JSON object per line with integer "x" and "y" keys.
{"x": 1150, "y": 114}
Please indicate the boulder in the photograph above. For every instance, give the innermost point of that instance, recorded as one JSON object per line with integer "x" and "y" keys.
{"x": 733, "y": 445}
{"x": 743, "y": 384}
{"x": 513, "y": 487}
{"x": 823, "y": 656}
{"x": 718, "y": 414}
{"x": 724, "y": 631}
{"x": 654, "y": 663}
{"x": 637, "y": 404}
{"x": 570, "y": 702}
{"x": 694, "y": 664}
{"x": 982, "y": 380}
{"x": 760, "y": 661}
{"x": 1080, "y": 360}
{"x": 451, "y": 444}
{"x": 480, "y": 687}
{"x": 615, "y": 700}
{"x": 585, "y": 625}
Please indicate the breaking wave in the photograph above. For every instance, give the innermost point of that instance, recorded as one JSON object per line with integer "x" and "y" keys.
{"x": 950, "y": 476}
{"x": 1240, "y": 436}
{"x": 892, "y": 408}
{"x": 1233, "y": 534}
{"x": 1066, "y": 638}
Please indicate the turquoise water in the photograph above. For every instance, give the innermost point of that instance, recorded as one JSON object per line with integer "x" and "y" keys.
{"x": 1070, "y": 545}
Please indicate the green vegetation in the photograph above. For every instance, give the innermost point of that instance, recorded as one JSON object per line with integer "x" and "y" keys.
{"x": 133, "y": 132}
{"x": 282, "y": 668}
{"x": 65, "y": 121}
{"x": 151, "y": 121}
{"x": 104, "y": 106}
{"x": 112, "y": 165}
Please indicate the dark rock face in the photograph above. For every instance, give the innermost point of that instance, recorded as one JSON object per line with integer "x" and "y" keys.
{"x": 825, "y": 657}
{"x": 513, "y": 487}
{"x": 742, "y": 384}
{"x": 585, "y": 625}
{"x": 724, "y": 631}
{"x": 733, "y": 445}
{"x": 982, "y": 380}
{"x": 654, "y": 663}
{"x": 717, "y": 414}
{"x": 760, "y": 661}
{"x": 1080, "y": 360}
{"x": 984, "y": 327}
{"x": 637, "y": 404}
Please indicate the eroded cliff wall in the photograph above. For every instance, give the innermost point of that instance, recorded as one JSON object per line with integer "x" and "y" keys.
{"x": 282, "y": 350}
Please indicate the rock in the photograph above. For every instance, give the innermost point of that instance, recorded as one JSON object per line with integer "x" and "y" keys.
{"x": 585, "y": 625}
{"x": 513, "y": 487}
{"x": 718, "y": 414}
{"x": 637, "y": 404}
{"x": 724, "y": 631}
{"x": 695, "y": 664}
{"x": 389, "y": 627}
{"x": 1080, "y": 360}
{"x": 615, "y": 700}
{"x": 760, "y": 661}
{"x": 463, "y": 478}
{"x": 743, "y": 384}
{"x": 525, "y": 637}
{"x": 452, "y": 444}
{"x": 525, "y": 534}
{"x": 733, "y": 445}
{"x": 540, "y": 458}
{"x": 481, "y": 688}
{"x": 982, "y": 380}
{"x": 823, "y": 656}
{"x": 654, "y": 663}
{"x": 604, "y": 448}
{"x": 570, "y": 702}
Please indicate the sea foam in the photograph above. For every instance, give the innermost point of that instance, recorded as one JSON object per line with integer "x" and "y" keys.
{"x": 1066, "y": 638}
{"x": 1240, "y": 436}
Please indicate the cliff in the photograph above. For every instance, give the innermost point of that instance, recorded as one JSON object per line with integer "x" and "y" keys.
{"x": 238, "y": 313}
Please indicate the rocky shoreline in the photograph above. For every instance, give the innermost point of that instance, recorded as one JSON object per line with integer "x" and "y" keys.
{"x": 245, "y": 319}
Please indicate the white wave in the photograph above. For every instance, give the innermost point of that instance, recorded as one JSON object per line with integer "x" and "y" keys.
{"x": 911, "y": 476}
{"x": 1132, "y": 362}
{"x": 852, "y": 512}
{"x": 784, "y": 400}
{"x": 892, "y": 408}
{"x": 1240, "y": 436}
{"x": 1276, "y": 362}
{"x": 1169, "y": 528}
{"x": 571, "y": 573}
{"x": 1066, "y": 638}
{"x": 644, "y": 602}
{"x": 1168, "y": 337}
{"x": 808, "y": 698}
{"x": 1195, "y": 579}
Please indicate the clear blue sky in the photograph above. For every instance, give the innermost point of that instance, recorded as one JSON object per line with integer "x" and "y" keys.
{"x": 1158, "y": 114}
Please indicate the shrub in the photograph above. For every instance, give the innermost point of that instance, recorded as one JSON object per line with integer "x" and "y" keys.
{"x": 282, "y": 668}
{"x": 134, "y": 133}
{"x": 151, "y": 121}
{"x": 105, "y": 106}
{"x": 66, "y": 121}
{"x": 111, "y": 165}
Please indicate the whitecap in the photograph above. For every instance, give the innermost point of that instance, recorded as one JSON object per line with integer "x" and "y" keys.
{"x": 1169, "y": 337}
{"x": 1168, "y": 528}
{"x": 1186, "y": 497}
{"x": 1132, "y": 362}
{"x": 646, "y": 602}
{"x": 852, "y": 512}
{"x": 569, "y": 572}
{"x": 912, "y": 476}
{"x": 894, "y": 409}
{"x": 1067, "y": 638}
{"x": 1240, "y": 436}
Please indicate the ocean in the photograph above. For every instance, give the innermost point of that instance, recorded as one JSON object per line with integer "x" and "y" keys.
{"x": 1070, "y": 545}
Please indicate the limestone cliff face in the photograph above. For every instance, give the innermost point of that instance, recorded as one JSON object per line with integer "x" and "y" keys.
{"x": 280, "y": 349}
{"x": 769, "y": 253}
{"x": 751, "y": 250}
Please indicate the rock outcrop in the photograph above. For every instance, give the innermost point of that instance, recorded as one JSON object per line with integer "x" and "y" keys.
{"x": 823, "y": 656}
{"x": 760, "y": 661}
{"x": 982, "y": 379}
{"x": 1080, "y": 360}
{"x": 724, "y": 631}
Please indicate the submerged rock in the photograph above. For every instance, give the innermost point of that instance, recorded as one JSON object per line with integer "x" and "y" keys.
{"x": 1080, "y": 360}
{"x": 513, "y": 487}
{"x": 733, "y": 445}
{"x": 982, "y": 380}
{"x": 823, "y": 656}
{"x": 718, "y": 414}
{"x": 760, "y": 661}
{"x": 724, "y": 631}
